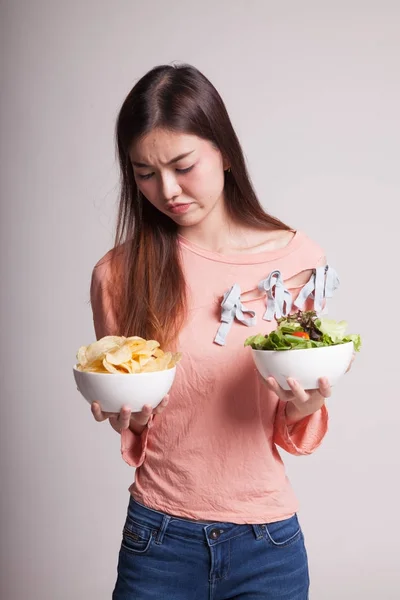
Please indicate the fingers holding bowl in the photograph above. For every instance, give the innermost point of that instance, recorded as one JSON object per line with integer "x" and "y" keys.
{"x": 97, "y": 412}
{"x": 351, "y": 362}
{"x": 162, "y": 406}
{"x": 324, "y": 387}
{"x": 274, "y": 386}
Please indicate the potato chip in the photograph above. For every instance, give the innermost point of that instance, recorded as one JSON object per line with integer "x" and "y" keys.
{"x": 81, "y": 356}
{"x": 135, "y": 366}
{"x": 174, "y": 360}
{"x": 151, "y": 366}
{"x": 152, "y": 345}
{"x": 163, "y": 361}
{"x": 143, "y": 360}
{"x": 98, "y": 349}
{"x": 120, "y": 355}
{"x": 142, "y": 352}
{"x": 109, "y": 367}
{"x": 129, "y": 355}
{"x": 136, "y": 346}
{"x": 94, "y": 367}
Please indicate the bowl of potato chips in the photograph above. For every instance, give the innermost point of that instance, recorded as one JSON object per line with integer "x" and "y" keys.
{"x": 131, "y": 371}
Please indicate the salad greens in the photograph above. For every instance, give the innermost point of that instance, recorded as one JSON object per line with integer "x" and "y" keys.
{"x": 304, "y": 329}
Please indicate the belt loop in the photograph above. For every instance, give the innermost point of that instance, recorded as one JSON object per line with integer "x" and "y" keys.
{"x": 163, "y": 529}
{"x": 258, "y": 532}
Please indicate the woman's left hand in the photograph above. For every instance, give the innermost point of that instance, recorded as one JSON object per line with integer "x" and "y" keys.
{"x": 300, "y": 402}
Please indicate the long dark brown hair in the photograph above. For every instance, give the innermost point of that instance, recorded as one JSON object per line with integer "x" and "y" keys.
{"x": 149, "y": 284}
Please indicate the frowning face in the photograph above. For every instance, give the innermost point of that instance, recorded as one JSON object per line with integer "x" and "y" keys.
{"x": 182, "y": 175}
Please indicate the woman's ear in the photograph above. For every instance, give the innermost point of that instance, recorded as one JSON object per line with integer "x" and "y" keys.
{"x": 226, "y": 163}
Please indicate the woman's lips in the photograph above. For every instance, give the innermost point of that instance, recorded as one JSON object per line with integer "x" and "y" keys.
{"x": 178, "y": 209}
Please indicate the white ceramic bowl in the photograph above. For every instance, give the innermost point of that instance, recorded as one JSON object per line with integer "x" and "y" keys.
{"x": 306, "y": 365}
{"x": 113, "y": 390}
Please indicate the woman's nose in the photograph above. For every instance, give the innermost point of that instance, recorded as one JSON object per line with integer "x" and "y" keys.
{"x": 170, "y": 186}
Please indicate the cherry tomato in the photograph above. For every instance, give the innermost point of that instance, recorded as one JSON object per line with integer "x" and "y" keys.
{"x": 301, "y": 334}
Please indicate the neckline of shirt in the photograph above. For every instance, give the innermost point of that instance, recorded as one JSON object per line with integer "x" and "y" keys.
{"x": 244, "y": 259}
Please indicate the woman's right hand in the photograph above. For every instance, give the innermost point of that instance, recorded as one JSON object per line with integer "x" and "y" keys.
{"x": 126, "y": 419}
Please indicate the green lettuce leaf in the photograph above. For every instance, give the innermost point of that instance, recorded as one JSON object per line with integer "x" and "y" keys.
{"x": 256, "y": 341}
{"x": 336, "y": 330}
{"x": 356, "y": 339}
{"x": 322, "y": 332}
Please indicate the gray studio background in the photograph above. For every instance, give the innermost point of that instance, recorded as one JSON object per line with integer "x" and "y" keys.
{"x": 313, "y": 90}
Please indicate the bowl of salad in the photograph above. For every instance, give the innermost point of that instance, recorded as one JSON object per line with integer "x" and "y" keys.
{"x": 305, "y": 347}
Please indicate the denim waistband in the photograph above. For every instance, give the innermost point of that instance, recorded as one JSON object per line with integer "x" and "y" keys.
{"x": 214, "y": 533}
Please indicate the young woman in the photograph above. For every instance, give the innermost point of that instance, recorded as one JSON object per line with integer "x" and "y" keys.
{"x": 196, "y": 266}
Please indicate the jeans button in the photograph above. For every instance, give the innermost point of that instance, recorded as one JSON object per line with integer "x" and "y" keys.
{"x": 215, "y": 533}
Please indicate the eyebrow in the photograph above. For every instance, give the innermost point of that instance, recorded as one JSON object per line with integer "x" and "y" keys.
{"x": 174, "y": 160}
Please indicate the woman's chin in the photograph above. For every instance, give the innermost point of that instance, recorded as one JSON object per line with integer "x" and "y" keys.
{"x": 189, "y": 219}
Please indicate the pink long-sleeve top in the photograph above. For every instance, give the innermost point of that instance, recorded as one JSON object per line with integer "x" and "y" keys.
{"x": 212, "y": 455}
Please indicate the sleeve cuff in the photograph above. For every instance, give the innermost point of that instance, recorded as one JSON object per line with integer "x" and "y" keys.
{"x": 133, "y": 446}
{"x": 303, "y": 437}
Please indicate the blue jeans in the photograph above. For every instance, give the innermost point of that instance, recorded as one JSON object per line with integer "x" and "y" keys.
{"x": 167, "y": 558}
